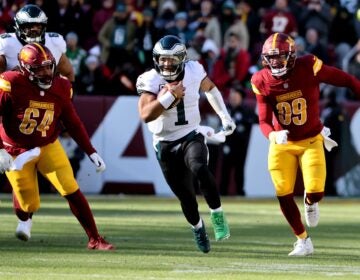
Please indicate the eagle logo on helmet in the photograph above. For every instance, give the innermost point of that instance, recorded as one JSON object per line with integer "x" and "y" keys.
{"x": 169, "y": 56}
{"x": 24, "y": 19}
{"x": 278, "y": 54}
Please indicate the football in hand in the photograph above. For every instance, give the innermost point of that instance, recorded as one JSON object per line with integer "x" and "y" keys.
{"x": 164, "y": 90}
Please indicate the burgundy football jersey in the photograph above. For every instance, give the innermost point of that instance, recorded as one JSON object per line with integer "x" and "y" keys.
{"x": 292, "y": 102}
{"x": 33, "y": 117}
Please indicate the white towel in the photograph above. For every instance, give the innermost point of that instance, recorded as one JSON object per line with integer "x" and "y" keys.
{"x": 328, "y": 142}
{"x": 211, "y": 136}
{"x": 24, "y": 158}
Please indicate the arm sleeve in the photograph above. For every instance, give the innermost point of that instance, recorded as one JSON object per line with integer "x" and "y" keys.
{"x": 339, "y": 78}
{"x": 77, "y": 129}
{"x": 265, "y": 114}
{"x": 217, "y": 103}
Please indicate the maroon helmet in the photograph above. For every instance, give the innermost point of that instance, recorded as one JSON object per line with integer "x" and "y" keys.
{"x": 38, "y": 64}
{"x": 278, "y": 54}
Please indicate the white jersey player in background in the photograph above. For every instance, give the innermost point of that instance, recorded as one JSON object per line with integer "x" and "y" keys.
{"x": 30, "y": 26}
{"x": 174, "y": 118}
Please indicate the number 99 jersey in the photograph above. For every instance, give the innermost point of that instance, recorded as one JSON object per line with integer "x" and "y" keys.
{"x": 177, "y": 122}
{"x": 293, "y": 101}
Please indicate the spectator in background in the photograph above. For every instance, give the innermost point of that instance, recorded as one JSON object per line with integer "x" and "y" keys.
{"x": 208, "y": 23}
{"x": 146, "y": 36}
{"x": 236, "y": 144}
{"x": 75, "y": 54}
{"x": 63, "y": 17}
{"x": 102, "y": 15}
{"x": 123, "y": 79}
{"x": 316, "y": 14}
{"x": 313, "y": 45}
{"x": 6, "y": 18}
{"x": 279, "y": 19}
{"x": 94, "y": 79}
{"x": 351, "y": 62}
{"x": 181, "y": 28}
{"x": 240, "y": 29}
{"x": 232, "y": 65}
{"x": 351, "y": 65}
{"x": 227, "y": 17}
{"x": 192, "y": 7}
{"x": 249, "y": 16}
{"x": 166, "y": 14}
{"x": 342, "y": 28}
{"x": 209, "y": 55}
{"x": 300, "y": 46}
{"x": 87, "y": 35}
{"x": 195, "y": 45}
{"x": 117, "y": 39}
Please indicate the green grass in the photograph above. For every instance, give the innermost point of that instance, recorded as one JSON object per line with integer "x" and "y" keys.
{"x": 154, "y": 241}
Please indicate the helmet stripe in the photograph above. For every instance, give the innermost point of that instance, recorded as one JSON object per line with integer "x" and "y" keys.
{"x": 273, "y": 44}
{"x": 42, "y": 50}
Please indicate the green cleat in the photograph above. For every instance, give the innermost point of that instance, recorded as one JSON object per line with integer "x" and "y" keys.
{"x": 221, "y": 227}
{"x": 202, "y": 239}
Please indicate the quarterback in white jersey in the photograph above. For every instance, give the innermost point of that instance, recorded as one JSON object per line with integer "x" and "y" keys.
{"x": 180, "y": 120}
{"x": 169, "y": 103}
{"x": 30, "y": 26}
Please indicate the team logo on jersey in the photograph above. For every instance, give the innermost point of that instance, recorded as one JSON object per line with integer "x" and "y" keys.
{"x": 161, "y": 86}
{"x": 289, "y": 96}
{"x": 286, "y": 85}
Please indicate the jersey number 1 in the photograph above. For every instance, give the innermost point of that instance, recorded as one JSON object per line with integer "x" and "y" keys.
{"x": 180, "y": 109}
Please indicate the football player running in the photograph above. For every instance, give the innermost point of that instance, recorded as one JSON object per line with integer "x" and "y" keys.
{"x": 34, "y": 105}
{"x": 288, "y": 89}
{"x": 173, "y": 117}
{"x": 30, "y": 27}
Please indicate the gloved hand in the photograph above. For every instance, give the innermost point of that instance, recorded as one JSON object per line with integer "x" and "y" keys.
{"x": 228, "y": 125}
{"x": 279, "y": 137}
{"x": 98, "y": 161}
{"x": 6, "y": 161}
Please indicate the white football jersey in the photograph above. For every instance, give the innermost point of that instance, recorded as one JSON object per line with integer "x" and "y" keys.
{"x": 177, "y": 122}
{"x": 10, "y": 46}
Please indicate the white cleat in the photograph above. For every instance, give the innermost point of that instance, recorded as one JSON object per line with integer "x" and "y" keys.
{"x": 302, "y": 247}
{"x": 23, "y": 230}
{"x": 312, "y": 214}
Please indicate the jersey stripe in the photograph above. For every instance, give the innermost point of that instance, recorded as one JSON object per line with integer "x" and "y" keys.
{"x": 5, "y": 85}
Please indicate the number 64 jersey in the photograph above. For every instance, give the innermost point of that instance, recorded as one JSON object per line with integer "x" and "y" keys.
{"x": 32, "y": 117}
{"x": 179, "y": 121}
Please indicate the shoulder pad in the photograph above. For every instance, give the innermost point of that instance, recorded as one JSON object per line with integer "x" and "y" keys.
{"x": 5, "y": 35}
{"x": 4, "y": 84}
{"x": 53, "y": 34}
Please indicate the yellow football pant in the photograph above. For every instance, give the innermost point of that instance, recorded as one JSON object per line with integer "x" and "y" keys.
{"x": 284, "y": 160}
{"x": 54, "y": 164}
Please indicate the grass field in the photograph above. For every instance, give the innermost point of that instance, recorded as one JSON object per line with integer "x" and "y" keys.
{"x": 154, "y": 242}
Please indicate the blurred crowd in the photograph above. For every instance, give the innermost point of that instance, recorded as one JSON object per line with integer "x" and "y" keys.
{"x": 109, "y": 42}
